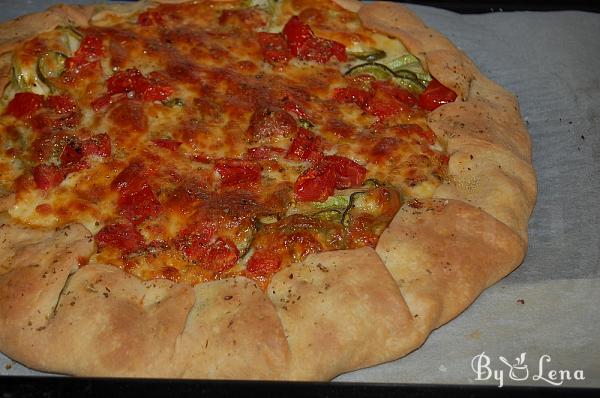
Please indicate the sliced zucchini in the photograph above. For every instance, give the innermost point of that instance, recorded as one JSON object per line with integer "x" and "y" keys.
{"x": 409, "y": 63}
{"x": 71, "y": 38}
{"x": 372, "y": 183}
{"x": 332, "y": 202}
{"x": 174, "y": 102}
{"x": 26, "y": 78}
{"x": 51, "y": 65}
{"x": 306, "y": 124}
{"x": 378, "y": 71}
{"x": 404, "y": 78}
{"x": 368, "y": 54}
{"x": 9, "y": 92}
{"x": 356, "y": 196}
{"x": 414, "y": 86}
{"x": 370, "y": 202}
{"x": 330, "y": 215}
{"x": 268, "y": 219}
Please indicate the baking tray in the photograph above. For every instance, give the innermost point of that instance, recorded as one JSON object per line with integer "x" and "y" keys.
{"x": 558, "y": 236}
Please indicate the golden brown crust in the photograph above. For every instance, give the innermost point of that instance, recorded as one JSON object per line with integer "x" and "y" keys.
{"x": 232, "y": 332}
{"x": 341, "y": 310}
{"x": 35, "y": 266}
{"x": 23, "y": 28}
{"x": 116, "y": 324}
{"x": 335, "y": 311}
{"x": 443, "y": 253}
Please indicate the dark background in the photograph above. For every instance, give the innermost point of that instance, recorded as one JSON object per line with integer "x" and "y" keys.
{"x": 482, "y": 6}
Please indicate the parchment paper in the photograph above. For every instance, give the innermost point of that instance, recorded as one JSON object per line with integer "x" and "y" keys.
{"x": 548, "y": 306}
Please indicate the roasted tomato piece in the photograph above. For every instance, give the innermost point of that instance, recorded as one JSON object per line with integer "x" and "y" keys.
{"x": 61, "y": 104}
{"x": 47, "y": 176}
{"x": 305, "y": 45}
{"x": 150, "y": 18}
{"x": 316, "y": 184}
{"x": 394, "y": 91}
{"x": 75, "y": 150}
{"x": 124, "y": 237}
{"x": 140, "y": 205}
{"x": 293, "y": 107}
{"x": 306, "y": 146}
{"x": 322, "y": 50}
{"x": 98, "y": 145}
{"x": 264, "y": 152}
{"x": 73, "y": 167}
{"x": 267, "y": 122}
{"x": 91, "y": 46}
{"x": 132, "y": 84}
{"x": 106, "y": 100}
{"x": 274, "y": 48}
{"x": 296, "y": 33}
{"x": 347, "y": 172}
{"x": 238, "y": 173}
{"x": 137, "y": 201}
{"x": 351, "y": 95}
{"x": 24, "y": 105}
{"x": 199, "y": 233}
{"x": 219, "y": 255}
{"x": 171, "y": 145}
{"x": 89, "y": 51}
{"x": 384, "y": 99}
{"x": 339, "y": 128}
{"x": 264, "y": 263}
{"x": 435, "y": 95}
{"x": 71, "y": 153}
{"x": 131, "y": 179}
{"x": 384, "y": 105}
{"x": 132, "y": 81}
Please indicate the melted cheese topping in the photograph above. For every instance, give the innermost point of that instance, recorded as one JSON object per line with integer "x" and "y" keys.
{"x": 225, "y": 100}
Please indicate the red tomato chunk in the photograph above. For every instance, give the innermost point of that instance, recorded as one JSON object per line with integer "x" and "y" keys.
{"x": 47, "y": 176}
{"x": 436, "y": 95}
{"x": 320, "y": 181}
{"x": 124, "y": 237}
{"x": 238, "y": 173}
{"x": 305, "y": 45}
{"x": 219, "y": 255}
{"x": 24, "y": 105}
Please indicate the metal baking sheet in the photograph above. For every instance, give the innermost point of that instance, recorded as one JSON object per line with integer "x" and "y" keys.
{"x": 543, "y": 317}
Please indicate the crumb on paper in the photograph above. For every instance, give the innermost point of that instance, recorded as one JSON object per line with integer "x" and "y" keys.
{"x": 475, "y": 335}
{"x": 521, "y": 301}
{"x": 8, "y": 366}
{"x": 443, "y": 368}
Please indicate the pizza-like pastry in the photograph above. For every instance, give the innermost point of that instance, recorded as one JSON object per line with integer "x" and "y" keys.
{"x": 247, "y": 189}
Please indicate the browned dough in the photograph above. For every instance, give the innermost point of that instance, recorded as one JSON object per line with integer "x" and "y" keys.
{"x": 335, "y": 311}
